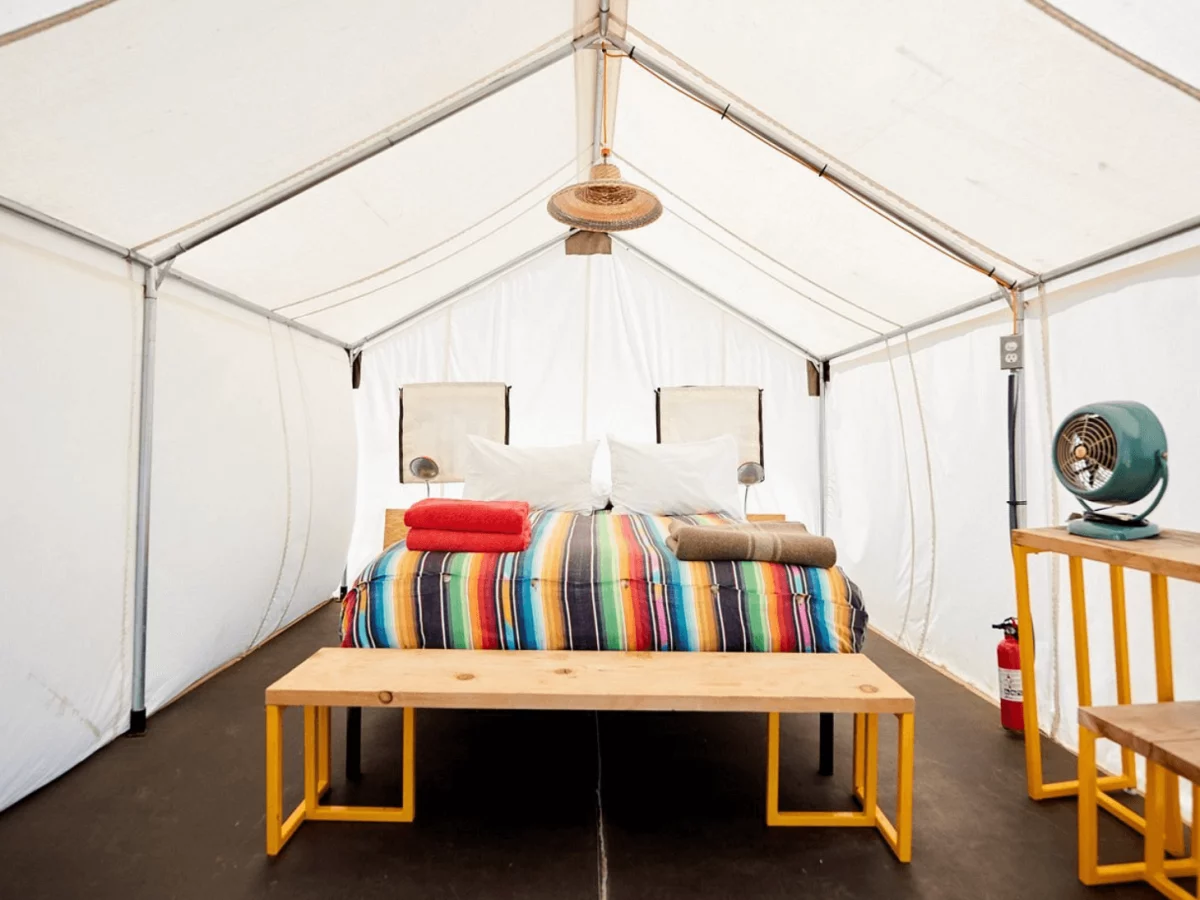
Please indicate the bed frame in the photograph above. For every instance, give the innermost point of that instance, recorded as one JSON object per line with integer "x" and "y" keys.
{"x": 394, "y": 530}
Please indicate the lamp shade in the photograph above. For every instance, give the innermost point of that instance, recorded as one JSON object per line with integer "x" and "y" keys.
{"x": 604, "y": 202}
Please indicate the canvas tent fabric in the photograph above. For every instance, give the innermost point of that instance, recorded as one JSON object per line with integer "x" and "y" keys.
{"x": 997, "y": 133}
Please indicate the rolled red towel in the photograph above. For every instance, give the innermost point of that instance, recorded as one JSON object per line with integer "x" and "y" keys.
{"x": 490, "y": 516}
{"x": 423, "y": 539}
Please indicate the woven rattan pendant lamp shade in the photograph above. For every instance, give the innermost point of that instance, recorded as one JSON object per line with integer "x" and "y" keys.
{"x": 604, "y": 203}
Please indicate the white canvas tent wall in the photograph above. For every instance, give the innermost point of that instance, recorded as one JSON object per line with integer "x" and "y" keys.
{"x": 356, "y": 196}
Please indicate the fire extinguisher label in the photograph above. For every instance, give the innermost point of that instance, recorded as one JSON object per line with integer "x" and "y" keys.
{"x": 1010, "y": 685}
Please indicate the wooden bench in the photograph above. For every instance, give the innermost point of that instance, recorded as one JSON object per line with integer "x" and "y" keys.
{"x": 771, "y": 683}
{"x": 1168, "y": 736}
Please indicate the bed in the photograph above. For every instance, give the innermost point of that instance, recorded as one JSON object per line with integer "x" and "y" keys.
{"x": 599, "y": 582}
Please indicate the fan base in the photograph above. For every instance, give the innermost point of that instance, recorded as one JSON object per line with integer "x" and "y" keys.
{"x": 1112, "y": 531}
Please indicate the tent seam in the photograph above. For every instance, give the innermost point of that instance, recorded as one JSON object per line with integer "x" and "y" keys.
{"x": 437, "y": 262}
{"x": 932, "y": 506}
{"x": 912, "y": 516}
{"x": 1055, "y": 513}
{"x": 750, "y": 244}
{"x": 441, "y": 243}
{"x": 287, "y": 467}
{"x": 705, "y": 294}
{"x": 1111, "y": 46}
{"x": 308, "y": 447}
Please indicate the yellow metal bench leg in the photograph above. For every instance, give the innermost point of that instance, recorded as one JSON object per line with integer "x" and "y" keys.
{"x": 317, "y": 733}
{"x": 324, "y": 738}
{"x": 860, "y": 750}
{"x": 1158, "y": 869}
{"x": 866, "y": 786}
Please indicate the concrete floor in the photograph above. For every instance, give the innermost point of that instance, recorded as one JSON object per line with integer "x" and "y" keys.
{"x": 507, "y": 807}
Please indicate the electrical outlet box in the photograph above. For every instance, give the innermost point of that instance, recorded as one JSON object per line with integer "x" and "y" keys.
{"x": 1012, "y": 351}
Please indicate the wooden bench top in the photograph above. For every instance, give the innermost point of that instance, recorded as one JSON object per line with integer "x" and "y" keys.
{"x": 591, "y": 680}
{"x": 1168, "y": 733}
{"x": 1175, "y": 554}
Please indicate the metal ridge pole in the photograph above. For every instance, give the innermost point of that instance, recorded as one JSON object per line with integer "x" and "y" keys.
{"x": 715, "y": 300}
{"x": 141, "y": 559}
{"x": 374, "y": 148}
{"x": 790, "y": 148}
{"x": 459, "y": 291}
{"x": 1065, "y": 271}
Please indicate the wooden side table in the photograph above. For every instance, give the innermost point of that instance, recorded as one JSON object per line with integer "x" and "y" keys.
{"x": 1174, "y": 554}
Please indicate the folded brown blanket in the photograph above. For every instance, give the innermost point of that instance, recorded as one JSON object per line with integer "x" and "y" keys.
{"x": 782, "y": 542}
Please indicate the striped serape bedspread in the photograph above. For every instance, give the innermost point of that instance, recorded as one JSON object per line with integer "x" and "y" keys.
{"x": 599, "y": 582}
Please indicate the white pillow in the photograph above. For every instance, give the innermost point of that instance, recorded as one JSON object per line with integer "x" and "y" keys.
{"x": 676, "y": 479}
{"x": 557, "y": 478}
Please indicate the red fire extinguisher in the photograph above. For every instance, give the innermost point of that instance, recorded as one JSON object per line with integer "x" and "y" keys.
{"x": 1008, "y": 656}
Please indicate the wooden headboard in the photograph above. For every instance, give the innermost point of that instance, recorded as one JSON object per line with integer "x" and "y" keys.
{"x": 394, "y": 528}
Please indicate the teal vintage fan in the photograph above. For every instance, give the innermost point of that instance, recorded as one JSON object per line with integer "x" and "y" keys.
{"x": 1116, "y": 454}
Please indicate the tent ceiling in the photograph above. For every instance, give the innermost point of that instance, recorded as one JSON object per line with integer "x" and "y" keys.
{"x": 999, "y": 127}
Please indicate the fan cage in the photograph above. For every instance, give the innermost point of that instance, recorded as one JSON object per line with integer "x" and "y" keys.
{"x": 1086, "y": 452}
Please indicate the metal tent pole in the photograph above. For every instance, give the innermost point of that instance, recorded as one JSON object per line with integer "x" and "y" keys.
{"x": 1016, "y": 433}
{"x": 1074, "y": 268}
{"x": 822, "y": 439}
{"x": 730, "y": 110}
{"x": 94, "y": 240}
{"x": 598, "y": 116}
{"x": 141, "y": 578}
{"x": 374, "y": 148}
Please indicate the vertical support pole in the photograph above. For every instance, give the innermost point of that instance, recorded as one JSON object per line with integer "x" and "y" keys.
{"x": 822, "y": 438}
{"x": 141, "y": 577}
{"x": 1016, "y": 429}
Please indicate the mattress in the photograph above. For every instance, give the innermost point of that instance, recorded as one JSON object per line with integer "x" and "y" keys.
{"x": 599, "y": 582}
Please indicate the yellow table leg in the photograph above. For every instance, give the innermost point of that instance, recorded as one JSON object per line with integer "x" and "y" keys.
{"x": 1164, "y": 675}
{"x": 1033, "y": 737}
{"x": 274, "y": 779}
{"x": 1116, "y": 577}
{"x": 860, "y": 752}
{"x": 324, "y": 737}
{"x": 1088, "y": 842}
{"x": 311, "y": 754}
{"x": 904, "y": 787}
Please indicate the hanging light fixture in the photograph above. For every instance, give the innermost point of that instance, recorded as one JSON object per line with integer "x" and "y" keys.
{"x": 605, "y": 202}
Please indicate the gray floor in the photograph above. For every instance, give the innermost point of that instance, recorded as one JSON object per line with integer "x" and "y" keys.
{"x": 507, "y": 807}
